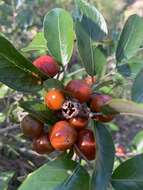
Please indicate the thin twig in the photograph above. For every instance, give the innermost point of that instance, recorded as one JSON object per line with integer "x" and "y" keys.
{"x": 76, "y": 72}
{"x": 30, "y": 153}
{"x": 129, "y": 154}
{"x": 8, "y": 129}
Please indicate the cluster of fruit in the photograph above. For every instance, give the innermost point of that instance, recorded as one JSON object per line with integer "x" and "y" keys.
{"x": 74, "y": 106}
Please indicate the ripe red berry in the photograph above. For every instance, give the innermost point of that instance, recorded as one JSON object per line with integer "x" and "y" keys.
{"x": 62, "y": 136}
{"x": 78, "y": 123}
{"x": 86, "y": 143}
{"x": 42, "y": 144}
{"x": 97, "y": 102}
{"x": 54, "y": 99}
{"x": 31, "y": 127}
{"x": 79, "y": 90}
{"x": 47, "y": 64}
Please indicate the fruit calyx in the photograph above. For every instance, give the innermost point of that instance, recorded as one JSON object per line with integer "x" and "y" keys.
{"x": 72, "y": 108}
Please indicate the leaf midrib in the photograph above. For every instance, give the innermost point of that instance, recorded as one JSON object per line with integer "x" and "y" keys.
{"x": 59, "y": 37}
{"x": 14, "y": 64}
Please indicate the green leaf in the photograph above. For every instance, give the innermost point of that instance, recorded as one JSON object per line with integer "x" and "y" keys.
{"x": 100, "y": 63}
{"x": 90, "y": 27}
{"x": 113, "y": 127}
{"x": 58, "y": 31}
{"x": 124, "y": 107}
{"x": 93, "y": 59}
{"x": 131, "y": 38}
{"x": 2, "y": 117}
{"x": 129, "y": 175}
{"x": 8, "y": 51}
{"x": 74, "y": 182}
{"x": 37, "y": 44}
{"x": 138, "y": 141}
{"x": 63, "y": 174}
{"x": 53, "y": 83}
{"x": 5, "y": 177}
{"x": 92, "y": 21}
{"x": 39, "y": 111}
{"x": 131, "y": 68}
{"x": 18, "y": 78}
{"x": 137, "y": 88}
{"x": 104, "y": 159}
{"x": 3, "y": 91}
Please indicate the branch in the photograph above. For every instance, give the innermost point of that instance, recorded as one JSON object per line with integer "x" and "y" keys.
{"x": 9, "y": 129}
{"x": 126, "y": 155}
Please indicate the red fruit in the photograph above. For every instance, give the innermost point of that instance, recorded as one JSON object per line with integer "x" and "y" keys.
{"x": 62, "y": 136}
{"x": 42, "y": 144}
{"x": 31, "y": 127}
{"x": 54, "y": 99}
{"x": 78, "y": 123}
{"x": 79, "y": 90}
{"x": 47, "y": 64}
{"x": 86, "y": 143}
{"x": 97, "y": 102}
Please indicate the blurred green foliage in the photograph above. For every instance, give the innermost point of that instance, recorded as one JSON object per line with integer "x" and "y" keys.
{"x": 21, "y": 19}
